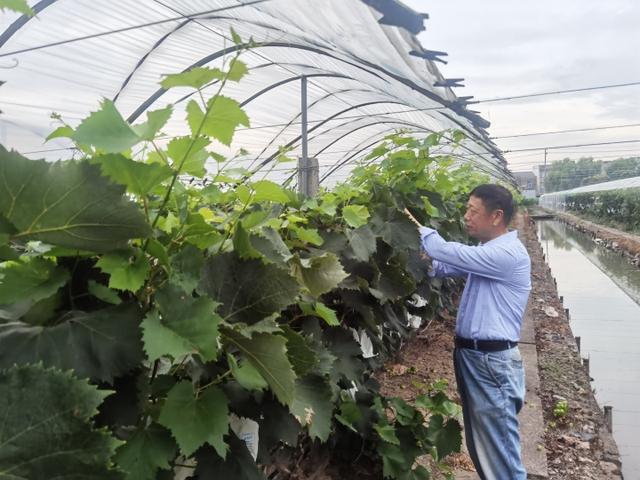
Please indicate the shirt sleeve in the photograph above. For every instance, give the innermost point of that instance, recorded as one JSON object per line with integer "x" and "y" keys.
{"x": 486, "y": 261}
{"x": 442, "y": 270}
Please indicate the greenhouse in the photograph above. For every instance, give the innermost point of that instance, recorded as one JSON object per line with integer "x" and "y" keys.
{"x": 237, "y": 240}
{"x": 356, "y": 68}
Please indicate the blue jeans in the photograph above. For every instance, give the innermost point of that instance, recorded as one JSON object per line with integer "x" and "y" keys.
{"x": 491, "y": 387}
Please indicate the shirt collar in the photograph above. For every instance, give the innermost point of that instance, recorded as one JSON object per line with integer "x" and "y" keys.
{"x": 502, "y": 238}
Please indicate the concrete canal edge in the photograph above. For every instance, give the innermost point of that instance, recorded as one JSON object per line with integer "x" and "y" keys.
{"x": 578, "y": 445}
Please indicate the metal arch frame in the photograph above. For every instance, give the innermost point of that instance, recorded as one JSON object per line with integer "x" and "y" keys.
{"x": 292, "y": 79}
{"x": 328, "y": 119}
{"x": 261, "y": 66}
{"x": 220, "y": 53}
{"x": 22, "y": 20}
{"x": 203, "y": 61}
{"x": 479, "y": 166}
{"x": 408, "y": 123}
{"x": 336, "y": 166}
{"x": 315, "y": 102}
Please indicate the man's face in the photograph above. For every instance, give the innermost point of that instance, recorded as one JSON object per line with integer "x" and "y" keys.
{"x": 482, "y": 224}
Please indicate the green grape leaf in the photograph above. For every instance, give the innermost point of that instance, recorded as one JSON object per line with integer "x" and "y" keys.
{"x": 30, "y": 279}
{"x": 224, "y": 116}
{"x": 46, "y": 429}
{"x": 20, "y": 6}
{"x": 319, "y": 309}
{"x": 184, "y": 325}
{"x": 237, "y": 70}
{"x": 242, "y": 243}
{"x": 147, "y": 451}
{"x": 363, "y": 242}
{"x": 103, "y": 293}
{"x": 268, "y": 355}
{"x": 155, "y": 121}
{"x": 186, "y": 266}
{"x": 387, "y": 433}
{"x": 106, "y": 130}
{"x": 126, "y": 271}
{"x": 312, "y": 406}
{"x": 196, "y": 77}
{"x": 139, "y": 178}
{"x": 446, "y": 436}
{"x": 189, "y": 155}
{"x": 102, "y": 344}
{"x": 196, "y": 420}
{"x": 268, "y": 191}
{"x": 248, "y": 290}
{"x": 355, "y": 215}
{"x": 270, "y": 244}
{"x": 308, "y": 235}
{"x": 65, "y": 131}
{"x": 68, "y": 204}
{"x": 246, "y": 374}
{"x": 319, "y": 274}
{"x": 302, "y": 356}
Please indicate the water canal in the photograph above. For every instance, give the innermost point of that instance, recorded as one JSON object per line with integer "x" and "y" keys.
{"x": 602, "y": 291}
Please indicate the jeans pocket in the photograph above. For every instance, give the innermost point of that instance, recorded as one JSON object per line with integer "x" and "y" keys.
{"x": 499, "y": 367}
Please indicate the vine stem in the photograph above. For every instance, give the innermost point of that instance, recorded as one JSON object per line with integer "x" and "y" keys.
{"x": 195, "y": 136}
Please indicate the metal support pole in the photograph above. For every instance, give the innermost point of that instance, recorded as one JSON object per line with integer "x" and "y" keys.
{"x": 303, "y": 106}
{"x": 308, "y": 170}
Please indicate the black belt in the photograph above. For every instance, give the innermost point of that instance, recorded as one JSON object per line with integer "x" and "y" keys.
{"x": 485, "y": 345}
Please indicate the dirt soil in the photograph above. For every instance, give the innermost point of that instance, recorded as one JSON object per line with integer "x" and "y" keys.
{"x": 578, "y": 444}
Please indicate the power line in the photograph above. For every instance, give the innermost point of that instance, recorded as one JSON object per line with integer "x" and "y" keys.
{"x": 556, "y": 92}
{"x": 553, "y": 132}
{"x": 555, "y": 147}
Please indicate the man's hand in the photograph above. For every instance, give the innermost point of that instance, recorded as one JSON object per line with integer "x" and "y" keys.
{"x": 412, "y": 218}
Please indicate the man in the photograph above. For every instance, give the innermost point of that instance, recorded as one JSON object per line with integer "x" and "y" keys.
{"x": 488, "y": 366}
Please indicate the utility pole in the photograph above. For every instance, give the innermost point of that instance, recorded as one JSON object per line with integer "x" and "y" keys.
{"x": 543, "y": 176}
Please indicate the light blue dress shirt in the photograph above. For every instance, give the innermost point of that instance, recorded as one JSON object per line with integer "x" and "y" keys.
{"x": 498, "y": 283}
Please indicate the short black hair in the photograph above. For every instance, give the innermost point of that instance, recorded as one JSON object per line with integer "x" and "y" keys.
{"x": 496, "y": 197}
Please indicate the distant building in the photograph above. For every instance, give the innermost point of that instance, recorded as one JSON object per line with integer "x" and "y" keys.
{"x": 527, "y": 183}
{"x": 541, "y": 173}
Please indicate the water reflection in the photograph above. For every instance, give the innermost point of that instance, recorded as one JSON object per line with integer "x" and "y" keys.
{"x": 602, "y": 290}
{"x": 612, "y": 264}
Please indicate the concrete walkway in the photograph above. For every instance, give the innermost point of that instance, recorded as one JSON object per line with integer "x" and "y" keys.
{"x": 534, "y": 454}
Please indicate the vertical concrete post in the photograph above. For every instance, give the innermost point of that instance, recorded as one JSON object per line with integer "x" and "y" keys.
{"x": 608, "y": 417}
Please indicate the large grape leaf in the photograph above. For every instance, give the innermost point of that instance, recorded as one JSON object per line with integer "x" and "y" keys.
{"x": 100, "y": 345}
{"x": 46, "y": 427}
{"x": 313, "y": 406}
{"x": 268, "y": 354}
{"x": 148, "y": 450}
{"x": 363, "y": 243}
{"x": 106, "y": 130}
{"x": 196, "y": 420}
{"x": 249, "y": 290}
{"x": 222, "y": 120}
{"x": 139, "y": 178}
{"x": 319, "y": 274}
{"x": 30, "y": 279}
{"x": 183, "y": 325}
{"x": 67, "y": 204}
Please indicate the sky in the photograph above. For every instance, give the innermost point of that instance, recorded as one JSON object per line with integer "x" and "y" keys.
{"x": 507, "y": 47}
